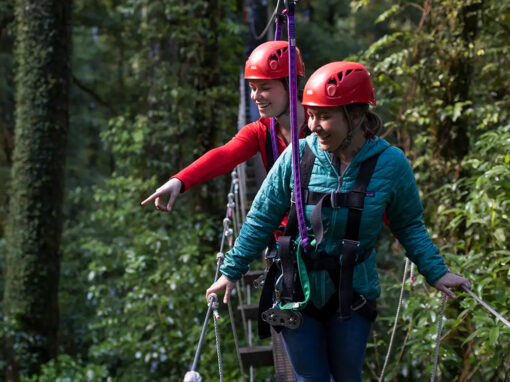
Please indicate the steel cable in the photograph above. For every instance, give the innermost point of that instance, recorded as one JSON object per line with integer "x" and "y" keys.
{"x": 486, "y": 306}
{"x": 397, "y": 314}
{"x": 438, "y": 339}
{"x": 264, "y": 32}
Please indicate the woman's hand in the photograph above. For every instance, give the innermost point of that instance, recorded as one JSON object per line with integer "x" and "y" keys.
{"x": 172, "y": 188}
{"x": 451, "y": 280}
{"x": 220, "y": 284}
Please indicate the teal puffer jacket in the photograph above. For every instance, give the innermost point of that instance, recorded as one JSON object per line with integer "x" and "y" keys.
{"x": 394, "y": 191}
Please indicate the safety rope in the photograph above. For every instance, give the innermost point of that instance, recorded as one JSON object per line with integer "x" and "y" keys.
{"x": 392, "y": 337}
{"x": 252, "y": 25}
{"x": 296, "y": 171}
{"x": 438, "y": 339}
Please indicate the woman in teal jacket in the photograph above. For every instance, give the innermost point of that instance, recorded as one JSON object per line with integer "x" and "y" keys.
{"x": 338, "y": 96}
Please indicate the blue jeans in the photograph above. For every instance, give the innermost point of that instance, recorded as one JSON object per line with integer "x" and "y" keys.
{"x": 328, "y": 351}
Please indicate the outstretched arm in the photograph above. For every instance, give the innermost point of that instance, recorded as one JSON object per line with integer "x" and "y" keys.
{"x": 405, "y": 216}
{"x": 212, "y": 164}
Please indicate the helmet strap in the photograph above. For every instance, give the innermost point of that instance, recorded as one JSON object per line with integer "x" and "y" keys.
{"x": 351, "y": 130}
{"x": 287, "y": 108}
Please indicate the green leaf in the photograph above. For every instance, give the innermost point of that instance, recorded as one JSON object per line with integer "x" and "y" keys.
{"x": 493, "y": 335}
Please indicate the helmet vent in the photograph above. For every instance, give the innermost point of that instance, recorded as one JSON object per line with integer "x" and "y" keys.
{"x": 348, "y": 72}
{"x": 358, "y": 70}
{"x": 285, "y": 49}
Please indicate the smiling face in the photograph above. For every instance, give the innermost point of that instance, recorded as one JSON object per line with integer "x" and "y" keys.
{"x": 270, "y": 96}
{"x": 330, "y": 126}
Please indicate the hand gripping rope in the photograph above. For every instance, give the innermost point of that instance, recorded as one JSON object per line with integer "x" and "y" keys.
{"x": 291, "y": 32}
{"x": 440, "y": 324}
{"x": 193, "y": 375}
{"x": 440, "y": 320}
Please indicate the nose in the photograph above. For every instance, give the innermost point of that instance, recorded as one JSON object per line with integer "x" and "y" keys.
{"x": 255, "y": 94}
{"x": 313, "y": 124}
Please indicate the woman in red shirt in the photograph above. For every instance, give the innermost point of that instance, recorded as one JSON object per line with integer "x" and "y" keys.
{"x": 267, "y": 70}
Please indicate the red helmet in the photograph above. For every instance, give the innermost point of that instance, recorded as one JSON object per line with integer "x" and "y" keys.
{"x": 339, "y": 83}
{"x": 270, "y": 61}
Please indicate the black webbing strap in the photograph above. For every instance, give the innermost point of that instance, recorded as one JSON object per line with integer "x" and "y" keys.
{"x": 287, "y": 263}
{"x": 269, "y": 151}
{"x": 354, "y": 200}
{"x": 351, "y": 239}
{"x": 266, "y": 299}
{"x": 337, "y": 199}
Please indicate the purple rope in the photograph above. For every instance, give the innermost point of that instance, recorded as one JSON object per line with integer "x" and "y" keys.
{"x": 291, "y": 31}
{"x": 274, "y": 143}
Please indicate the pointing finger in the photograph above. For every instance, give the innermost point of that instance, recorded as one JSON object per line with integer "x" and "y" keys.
{"x": 152, "y": 197}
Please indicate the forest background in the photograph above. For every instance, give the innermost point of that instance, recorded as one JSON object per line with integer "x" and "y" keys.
{"x": 153, "y": 85}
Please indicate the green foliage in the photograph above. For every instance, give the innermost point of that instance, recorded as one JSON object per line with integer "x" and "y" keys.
{"x": 66, "y": 369}
{"x": 438, "y": 86}
{"x": 155, "y": 85}
{"x": 133, "y": 279}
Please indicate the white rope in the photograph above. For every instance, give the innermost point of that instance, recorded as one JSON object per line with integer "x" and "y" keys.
{"x": 218, "y": 347}
{"x": 397, "y": 314}
{"x": 438, "y": 339}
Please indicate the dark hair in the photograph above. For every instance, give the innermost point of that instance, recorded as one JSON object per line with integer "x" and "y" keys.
{"x": 285, "y": 82}
{"x": 373, "y": 123}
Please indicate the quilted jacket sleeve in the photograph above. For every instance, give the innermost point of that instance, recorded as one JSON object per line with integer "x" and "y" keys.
{"x": 266, "y": 213}
{"x": 405, "y": 216}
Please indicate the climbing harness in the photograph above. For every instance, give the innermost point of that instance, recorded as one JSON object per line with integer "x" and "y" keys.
{"x": 297, "y": 254}
{"x": 294, "y": 292}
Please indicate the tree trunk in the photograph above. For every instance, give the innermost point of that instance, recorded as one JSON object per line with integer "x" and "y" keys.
{"x": 43, "y": 44}
{"x": 452, "y": 140}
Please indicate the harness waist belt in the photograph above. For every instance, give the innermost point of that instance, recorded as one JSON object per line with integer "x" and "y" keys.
{"x": 353, "y": 199}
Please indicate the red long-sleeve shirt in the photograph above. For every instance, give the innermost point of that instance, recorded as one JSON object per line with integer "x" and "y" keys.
{"x": 250, "y": 140}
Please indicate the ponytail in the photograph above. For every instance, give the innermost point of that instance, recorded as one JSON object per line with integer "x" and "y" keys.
{"x": 373, "y": 123}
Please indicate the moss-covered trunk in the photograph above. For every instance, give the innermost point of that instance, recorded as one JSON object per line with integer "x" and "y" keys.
{"x": 35, "y": 207}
